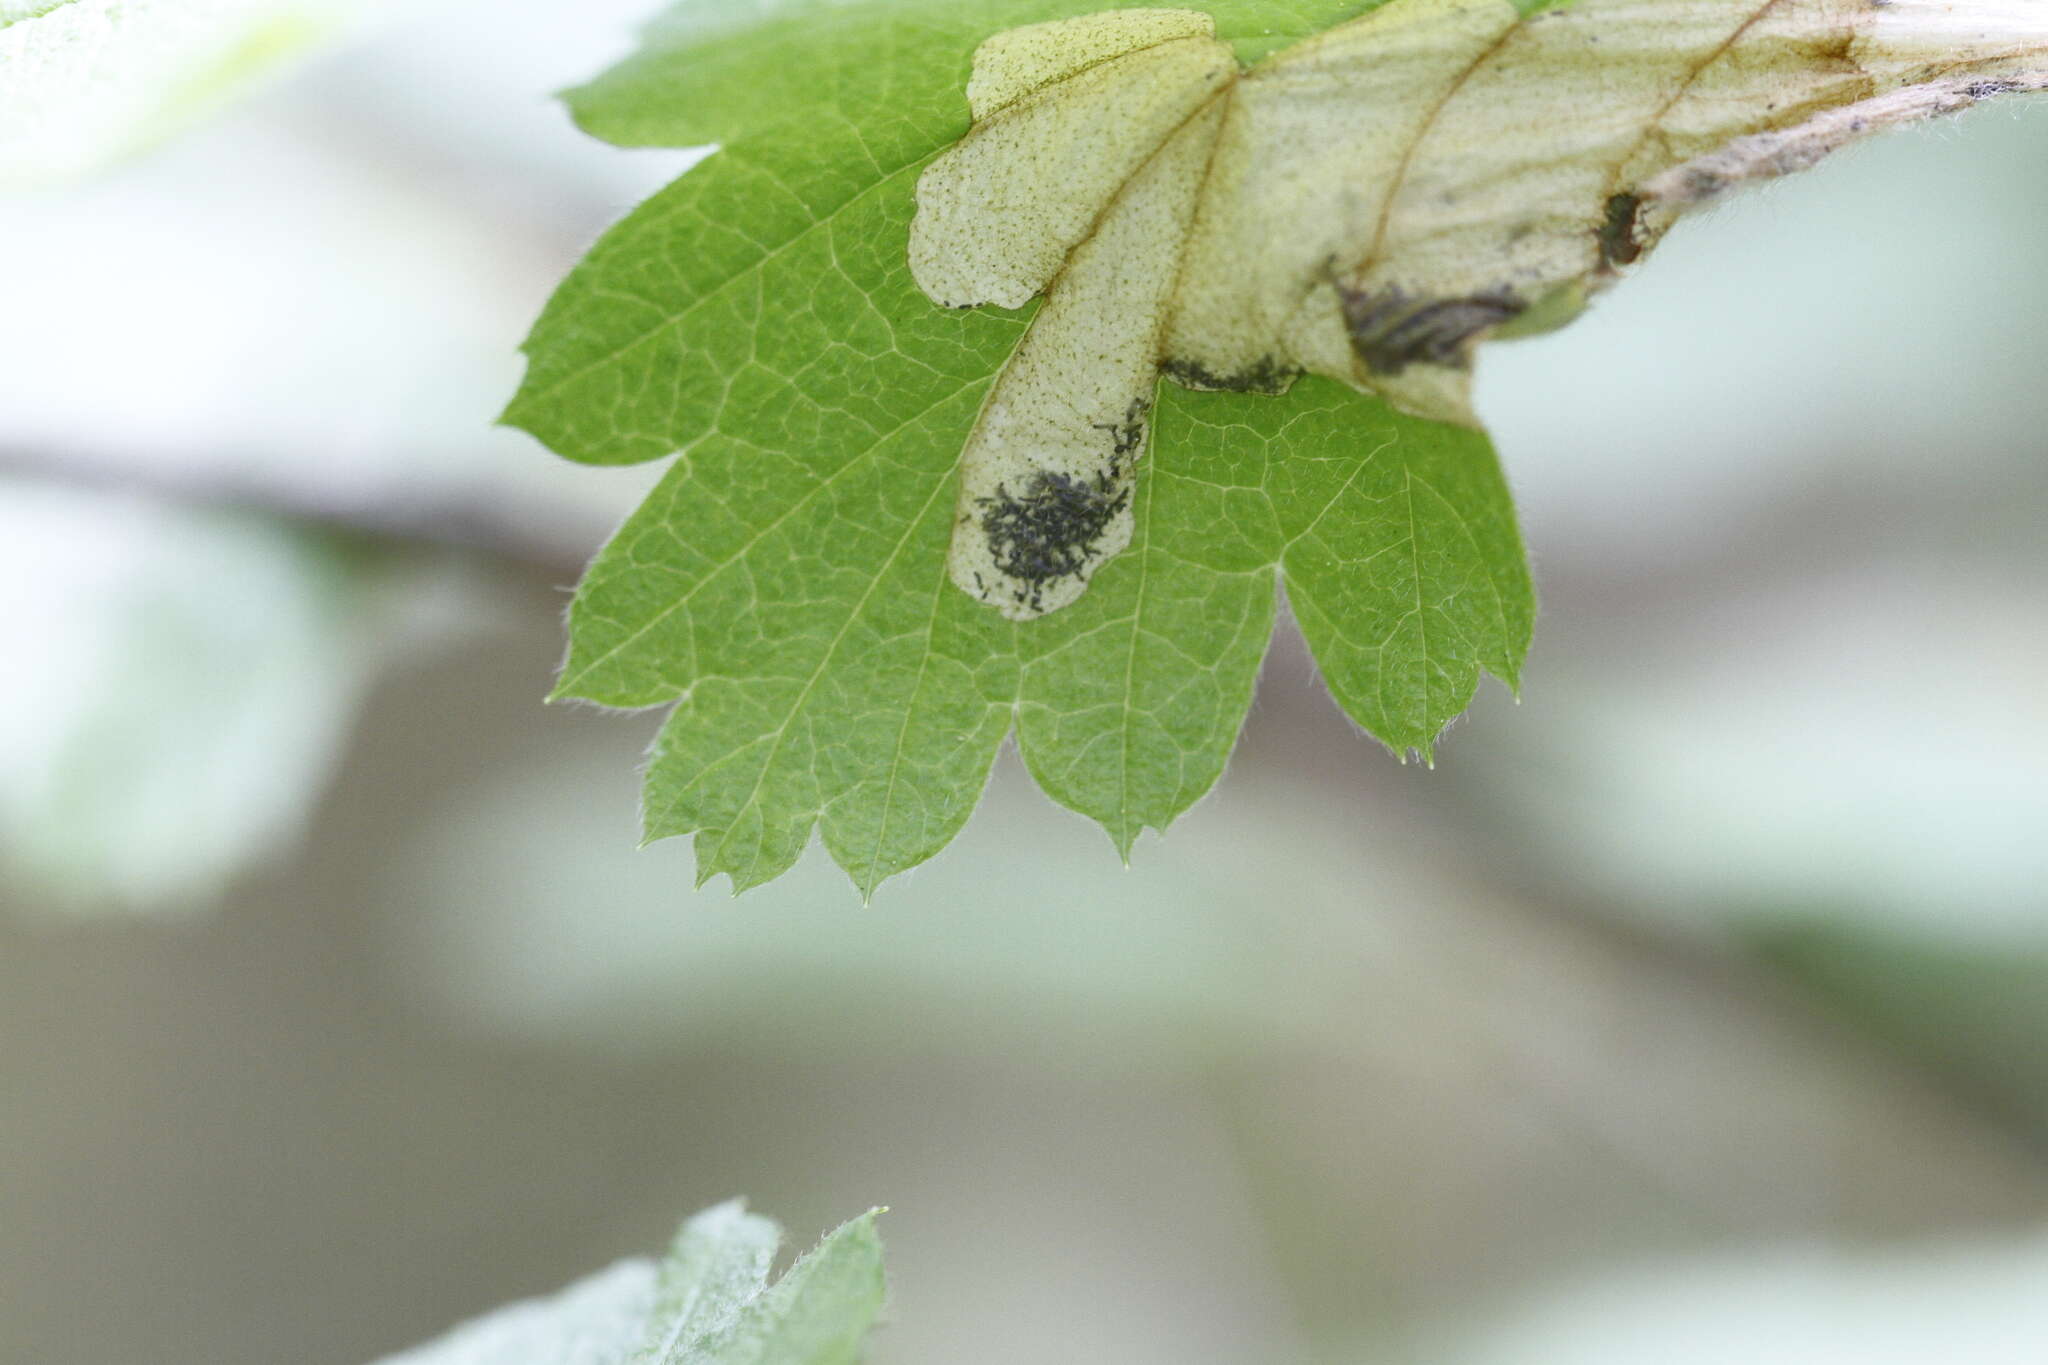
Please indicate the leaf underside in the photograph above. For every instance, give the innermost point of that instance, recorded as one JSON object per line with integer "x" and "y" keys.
{"x": 786, "y": 587}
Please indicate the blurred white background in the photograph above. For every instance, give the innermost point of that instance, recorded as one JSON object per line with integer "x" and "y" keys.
{"x": 1692, "y": 1010}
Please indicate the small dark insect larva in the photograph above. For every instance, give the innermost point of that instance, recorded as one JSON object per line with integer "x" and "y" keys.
{"x": 1051, "y": 531}
{"x": 1619, "y": 242}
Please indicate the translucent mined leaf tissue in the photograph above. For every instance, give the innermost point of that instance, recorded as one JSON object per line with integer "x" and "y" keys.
{"x": 1366, "y": 205}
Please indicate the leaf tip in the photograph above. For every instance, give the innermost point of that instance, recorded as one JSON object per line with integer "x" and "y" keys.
{"x": 860, "y": 1229}
{"x": 867, "y": 877}
{"x": 516, "y": 414}
{"x": 1419, "y": 751}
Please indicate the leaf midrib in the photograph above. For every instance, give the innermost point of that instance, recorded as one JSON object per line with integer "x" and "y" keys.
{"x": 869, "y": 881}
{"x": 782, "y": 730}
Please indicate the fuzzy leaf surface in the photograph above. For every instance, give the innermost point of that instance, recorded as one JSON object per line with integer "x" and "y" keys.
{"x": 708, "y": 1302}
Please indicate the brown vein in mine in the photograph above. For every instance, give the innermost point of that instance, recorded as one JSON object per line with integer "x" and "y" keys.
{"x": 1039, "y": 94}
{"x": 1169, "y": 313}
{"x": 1685, "y": 86}
{"x": 1375, "y": 253}
{"x": 1094, "y": 229}
{"x": 1109, "y": 206}
{"x": 1395, "y": 184}
{"x": 1954, "y": 70}
{"x": 1095, "y": 225}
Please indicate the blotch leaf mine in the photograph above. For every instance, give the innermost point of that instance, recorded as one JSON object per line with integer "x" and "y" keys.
{"x": 1367, "y": 205}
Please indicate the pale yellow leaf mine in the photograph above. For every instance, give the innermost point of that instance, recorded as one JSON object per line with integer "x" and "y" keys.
{"x": 1367, "y": 205}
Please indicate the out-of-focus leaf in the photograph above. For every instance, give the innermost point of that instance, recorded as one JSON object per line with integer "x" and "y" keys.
{"x": 84, "y": 82}
{"x": 1728, "y": 775}
{"x": 709, "y": 1303}
{"x": 1960, "y": 1304}
{"x": 183, "y": 699}
{"x": 1969, "y": 1010}
{"x": 596, "y": 1321}
{"x": 14, "y": 11}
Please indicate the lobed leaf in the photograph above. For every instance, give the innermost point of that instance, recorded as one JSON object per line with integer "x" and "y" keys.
{"x": 786, "y": 586}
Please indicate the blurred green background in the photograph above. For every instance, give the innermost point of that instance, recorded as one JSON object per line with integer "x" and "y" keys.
{"x": 1693, "y": 1009}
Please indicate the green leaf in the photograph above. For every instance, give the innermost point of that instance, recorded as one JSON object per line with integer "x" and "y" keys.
{"x": 708, "y": 1303}
{"x": 785, "y": 586}
{"x": 786, "y": 580}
